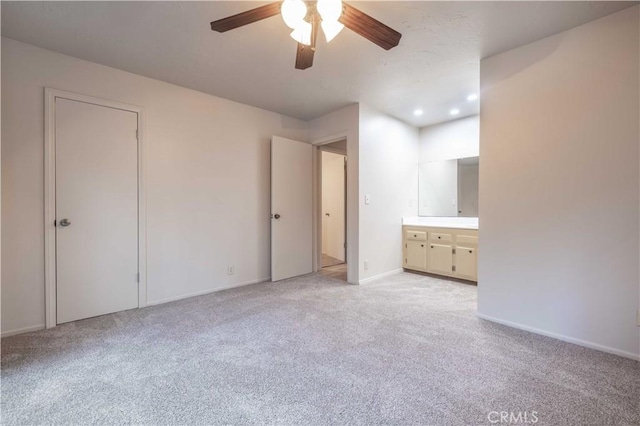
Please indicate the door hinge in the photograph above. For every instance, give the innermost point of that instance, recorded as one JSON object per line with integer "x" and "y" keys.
{"x": 453, "y": 268}
{"x": 405, "y": 260}
{"x": 138, "y": 277}
{"x": 137, "y": 134}
{"x": 55, "y": 222}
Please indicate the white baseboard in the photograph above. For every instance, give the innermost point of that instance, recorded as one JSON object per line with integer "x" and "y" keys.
{"x": 157, "y": 302}
{"x": 22, "y": 330}
{"x": 202, "y": 293}
{"x": 562, "y": 337}
{"x": 377, "y": 277}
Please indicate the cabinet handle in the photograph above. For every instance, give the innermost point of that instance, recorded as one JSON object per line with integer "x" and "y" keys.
{"x": 421, "y": 245}
{"x": 471, "y": 251}
{"x": 439, "y": 237}
{"x": 431, "y": 246}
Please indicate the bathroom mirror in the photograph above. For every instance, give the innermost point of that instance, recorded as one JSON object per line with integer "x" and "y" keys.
{"x": 449, "y": 188}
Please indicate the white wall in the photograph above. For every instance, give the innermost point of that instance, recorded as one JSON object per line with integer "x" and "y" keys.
{"x": 559, "y": 185}
{"x": 438, "y": 188}
{"x": 207, "y": 176}
{"x": 333, "y": 205}
{"x": 336, "y": 126}
{"x": 389, "y": 175}
{"x": 453, "y": 139}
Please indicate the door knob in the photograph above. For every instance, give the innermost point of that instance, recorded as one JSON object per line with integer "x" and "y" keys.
{"x": 65, "y": 223}
{"x": 276, "y": 216}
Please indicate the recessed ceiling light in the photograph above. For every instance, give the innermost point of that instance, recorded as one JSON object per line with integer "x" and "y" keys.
{"x": 454, "y": 111}
{"x": 472, "y": 97}
{"x": 417, "y": 112}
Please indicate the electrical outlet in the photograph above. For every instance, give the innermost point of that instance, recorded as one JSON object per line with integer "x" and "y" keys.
{"x": 366, "y": 265}
{"x": 231, "y": 270}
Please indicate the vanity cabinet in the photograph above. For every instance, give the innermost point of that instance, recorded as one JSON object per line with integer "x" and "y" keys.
{"x": 440, "y": 259}
{"x": 416, "y": 255}
{"x": 442, "y": 251}
{"x": 466, "y": 261}
{"x": 416, "y": 249}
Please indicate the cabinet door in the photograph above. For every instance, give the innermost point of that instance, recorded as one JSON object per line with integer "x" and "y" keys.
{"x": 466, "y": 263}
{"x": 416, "y": 255}
{"x": 440, "y": 259}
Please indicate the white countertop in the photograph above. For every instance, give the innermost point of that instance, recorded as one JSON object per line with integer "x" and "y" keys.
{"x": 442, "y": 222}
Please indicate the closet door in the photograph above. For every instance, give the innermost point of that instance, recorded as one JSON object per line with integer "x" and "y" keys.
{"x": 96, "y": 154}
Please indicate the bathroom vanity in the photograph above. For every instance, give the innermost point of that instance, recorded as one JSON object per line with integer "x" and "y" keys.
{"x": 443, "y": 238}
{"x": 442, "y": 246}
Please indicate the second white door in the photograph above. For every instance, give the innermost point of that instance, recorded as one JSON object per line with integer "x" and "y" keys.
{"x": 291, "y": 208}
{"x": 96, "y": 149}
{"x": 333, "y": 205}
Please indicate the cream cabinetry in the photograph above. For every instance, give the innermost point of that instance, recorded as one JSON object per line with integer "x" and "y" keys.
{"x": 451, "y": 252}
{"x": 416, "y": 250}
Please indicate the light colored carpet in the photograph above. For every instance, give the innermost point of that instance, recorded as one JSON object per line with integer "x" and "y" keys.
{"x": 405, "y": 350}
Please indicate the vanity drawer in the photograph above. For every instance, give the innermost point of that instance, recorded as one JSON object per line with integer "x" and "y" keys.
{"x": 467, "y": 239}
{"x": 416, "y": 235}
{"x": 440, "y": 237}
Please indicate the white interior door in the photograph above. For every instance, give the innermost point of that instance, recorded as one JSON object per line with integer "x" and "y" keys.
{"x": 333, "y": 205}
{"x": 291, "y": 208}
{"x": 96, "y": 210}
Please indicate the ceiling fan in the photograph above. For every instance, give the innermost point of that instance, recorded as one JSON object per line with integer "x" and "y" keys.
{"x": 304, "y": 18}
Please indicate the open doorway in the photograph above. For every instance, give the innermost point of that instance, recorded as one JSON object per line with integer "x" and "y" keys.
{"x": 333, "y": 209}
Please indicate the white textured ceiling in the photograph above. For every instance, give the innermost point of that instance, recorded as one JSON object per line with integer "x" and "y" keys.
{"x": 434, "y": 68}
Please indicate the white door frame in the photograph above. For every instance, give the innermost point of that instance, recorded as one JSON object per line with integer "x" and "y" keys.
{"x": 50, "y": 96}
{"x": 323, "y": 148}
{"x": 352, "y": 243}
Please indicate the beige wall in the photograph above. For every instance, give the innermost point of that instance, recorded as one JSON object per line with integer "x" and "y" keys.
{"x": 382, "y": 157}
{"x": 337, "y": 126}
{"x": 454, "y": 139}
{"x": 559, "y": 185}
{"x": 388, "y": 163}
{"x": 207, "y": 179}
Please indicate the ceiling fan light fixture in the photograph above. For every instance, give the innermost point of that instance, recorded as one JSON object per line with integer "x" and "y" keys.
{"x": 329, "y": 10}
{"x": 331, "y": 29}
{"x": 293, "y": 12}
{"x": 302, "y": 33}
{"x": 305, "y": 18}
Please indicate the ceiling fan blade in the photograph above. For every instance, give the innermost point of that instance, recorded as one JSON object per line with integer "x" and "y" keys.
{"x": 369, "y": 28}
{"x": 245, "y": 18}
{"x": 304, "y": 57}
